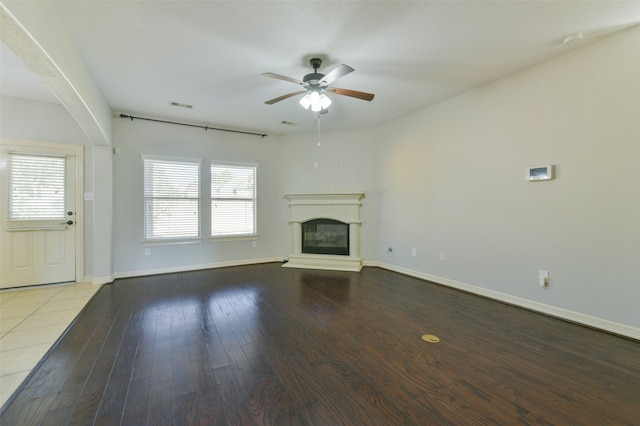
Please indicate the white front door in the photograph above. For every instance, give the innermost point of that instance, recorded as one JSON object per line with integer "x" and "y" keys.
{"x": 38, "y": 236}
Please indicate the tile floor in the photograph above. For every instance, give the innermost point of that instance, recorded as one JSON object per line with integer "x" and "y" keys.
{"x": 31, "y": 320}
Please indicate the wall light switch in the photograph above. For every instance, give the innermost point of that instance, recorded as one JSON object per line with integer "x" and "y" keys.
{"x": 413, "y": 252}
{"x": 543, "y": 278}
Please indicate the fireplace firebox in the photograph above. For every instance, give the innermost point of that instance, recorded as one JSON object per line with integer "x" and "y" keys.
{"x": 325, "y": 236}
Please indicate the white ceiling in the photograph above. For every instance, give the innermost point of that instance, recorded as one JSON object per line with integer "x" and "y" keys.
{"x": 211, "y": 54}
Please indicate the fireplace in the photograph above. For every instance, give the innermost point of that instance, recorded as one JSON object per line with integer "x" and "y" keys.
{"x": 326, "y": 231}
{"x": 325, "y": 236}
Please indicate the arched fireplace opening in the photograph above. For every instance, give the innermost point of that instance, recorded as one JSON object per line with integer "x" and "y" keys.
{"x": 325, "y": 236}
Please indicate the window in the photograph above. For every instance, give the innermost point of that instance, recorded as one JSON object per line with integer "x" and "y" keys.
{"x": 171, "y": 199}
{"x": 36, "y": 187}
{"x": 233, "y": 200}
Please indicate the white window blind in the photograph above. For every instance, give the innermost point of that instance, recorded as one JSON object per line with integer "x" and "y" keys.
{"x": 36, "y": 187}
{"x": 233, "y": 200}
{"x": 172, "y": 199}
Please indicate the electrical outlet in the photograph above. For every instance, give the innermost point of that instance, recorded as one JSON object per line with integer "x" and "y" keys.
{"x": 147, "y": 252}
{"x": 316, "y": 164}
{"x": 443, "y": 257}
{"x": 254, "y": 243}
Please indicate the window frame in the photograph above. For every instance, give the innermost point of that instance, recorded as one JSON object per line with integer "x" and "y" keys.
{"x": 180, "y": 239}
{"x": 234, "y": 236}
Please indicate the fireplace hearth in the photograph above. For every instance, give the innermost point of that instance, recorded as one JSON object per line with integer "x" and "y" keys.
{"x": 326, "y": 231}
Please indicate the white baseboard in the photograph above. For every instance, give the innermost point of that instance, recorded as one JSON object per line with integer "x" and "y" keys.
{"x": 577, "y": 317}
{"x": 90, "y": 279}
{"x": 174, "y": 269}
{"x": 101, "y": 280}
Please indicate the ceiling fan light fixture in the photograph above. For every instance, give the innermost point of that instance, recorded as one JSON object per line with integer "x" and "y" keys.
{"x": 314, "y": 97}
{"x": 316, "y": 100}
{"x": 306, "y": 101}
{"x": 324, "y": 101}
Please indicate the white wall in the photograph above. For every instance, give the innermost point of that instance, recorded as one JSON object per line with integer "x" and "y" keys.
{"x": 457, "y": 169}
{"x": 135, "y": 138}
{"x": 40, "y": 121}
{"x": 102, "y": 206}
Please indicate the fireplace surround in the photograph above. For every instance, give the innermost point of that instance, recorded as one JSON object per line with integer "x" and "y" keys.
{"x": 326, "y": 212}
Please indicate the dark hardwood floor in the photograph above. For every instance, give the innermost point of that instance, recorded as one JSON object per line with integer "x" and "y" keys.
{"x": 273, "y": 346}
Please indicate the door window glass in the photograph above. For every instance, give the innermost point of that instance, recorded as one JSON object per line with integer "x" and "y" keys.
{"x": 36, "y": 187}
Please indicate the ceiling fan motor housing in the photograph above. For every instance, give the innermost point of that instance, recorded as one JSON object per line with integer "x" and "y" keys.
{"x": 313, "y": 79}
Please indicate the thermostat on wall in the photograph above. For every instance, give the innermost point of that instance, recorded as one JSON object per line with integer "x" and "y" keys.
{"x": 540, "y": 173}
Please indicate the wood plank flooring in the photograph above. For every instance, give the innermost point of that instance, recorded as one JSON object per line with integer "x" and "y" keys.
{"x": 264, "y": 345}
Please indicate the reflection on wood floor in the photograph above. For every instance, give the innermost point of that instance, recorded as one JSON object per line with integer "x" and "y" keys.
{"x": 262, "y": 344}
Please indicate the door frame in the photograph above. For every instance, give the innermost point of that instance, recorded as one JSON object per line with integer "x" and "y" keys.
{"x": 78, "y": 151}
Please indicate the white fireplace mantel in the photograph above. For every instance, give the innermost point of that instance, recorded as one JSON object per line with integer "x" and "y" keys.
{"x": 344, "y": 207}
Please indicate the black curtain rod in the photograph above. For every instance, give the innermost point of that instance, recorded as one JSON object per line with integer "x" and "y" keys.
{"x": 263, "y": 135}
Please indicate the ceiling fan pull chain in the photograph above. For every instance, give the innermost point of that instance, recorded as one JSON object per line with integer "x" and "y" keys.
{"x": 318, "y": 123}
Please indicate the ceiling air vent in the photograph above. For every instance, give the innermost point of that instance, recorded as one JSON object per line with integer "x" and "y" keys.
{"x": 178, "y": 104}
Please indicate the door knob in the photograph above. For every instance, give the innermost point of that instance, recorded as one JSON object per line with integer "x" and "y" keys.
{"x": 69, "y": 222}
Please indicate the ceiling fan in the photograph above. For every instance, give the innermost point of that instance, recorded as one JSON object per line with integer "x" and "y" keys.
{"x": 316, "y": 84}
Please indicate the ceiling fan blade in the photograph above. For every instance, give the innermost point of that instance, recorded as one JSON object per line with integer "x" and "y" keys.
{"x": 282, "y": 77}
{"x": 353, "y": 93}
{"x": 335, "y": 74}
{"x": 283, "y": 97}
